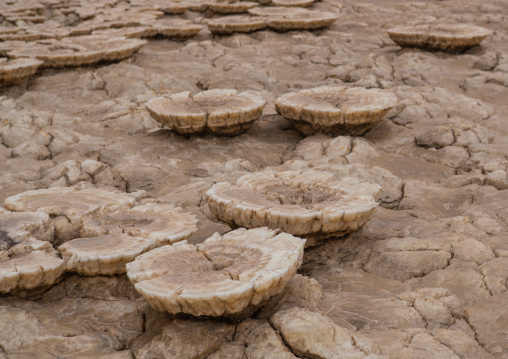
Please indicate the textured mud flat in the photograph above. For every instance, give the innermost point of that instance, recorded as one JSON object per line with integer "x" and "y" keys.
{"x": 427, "y": 277}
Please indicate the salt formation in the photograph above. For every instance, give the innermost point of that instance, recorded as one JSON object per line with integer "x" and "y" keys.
{"x": 222, "y": 112}
{"x": 176, "y": 28}
{"x": 292, "y": 18}
{"x": 293, "y": 3}
{"x": 311, "y": 204}
{"x": 232, "y": 7}
{"x": 30, "y": 271}
{"x": 335, "y": 110}
{"x": 104, "y": 255}
{"x": 79, "y": 51}
{"x": 230, "y": 24}
{"x": 12, "y": 71}
{"x": 444, "y": 37}
{"x": 27, "y": 259}
{"x": 161, "y": 223}
{"x": 224, "y": 275}
{"x": 68, "y": 207}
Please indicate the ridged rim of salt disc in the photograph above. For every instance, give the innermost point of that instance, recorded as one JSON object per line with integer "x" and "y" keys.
{"x": 161, "y": 223}
{"x": 231, "y": 109}
{"x": 232, "y": 7}
{"x": 17, "y": 69}
{"x": 231, "y": 24}
{"x": 439, "y": 36}
{"x": 317, "y": 106}
{"x": 34, "y": 270}
{"x": 221, "y": 276}
{"x": 103, "y": 255}
{"x": 254, "y": 202}
{"x": 293, "y": 3}
{"x": 177, "y": 28}
{"x": 111, "y": 49}
{"x": 294, "y": 18}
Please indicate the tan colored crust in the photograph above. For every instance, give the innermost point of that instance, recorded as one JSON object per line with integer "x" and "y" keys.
{"x": 335, "y": 110}
{"x": 31, "y": 271}
{"x": 292, "y": 18}
{"x": 79, "y": 51}
{"x": 445, "y": 37}
{"x": 222, "y": 276}
{"x": 309, "y": 204}
{"x": 12, "y": 71}
{"x": 231, "y": 24}
{"x": 222, "y": 112}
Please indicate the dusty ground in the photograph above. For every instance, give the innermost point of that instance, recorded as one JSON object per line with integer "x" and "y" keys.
{"x": 426, "y": 278}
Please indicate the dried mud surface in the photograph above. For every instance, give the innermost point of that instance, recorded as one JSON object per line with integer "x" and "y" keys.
{"x": 427, "y": 277}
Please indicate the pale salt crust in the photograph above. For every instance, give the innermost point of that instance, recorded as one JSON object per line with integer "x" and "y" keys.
{"x": 293, "y": 18}
{"x": 335, "y": 110}
{"x": 224, "y": 275}
{"x": 79, "y": 51}
{"x": 310, "y": 204}
{"x": 223, "y": 112}
{"x": 445, "y": 37}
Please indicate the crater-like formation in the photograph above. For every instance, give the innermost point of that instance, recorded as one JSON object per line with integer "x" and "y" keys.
{"x": 225, "y": 275}
{"x": 444, "y": 37}
{"x": 310, "y": 204}
{"x": 221, "y": 112}
{"x": 335, "y": 110}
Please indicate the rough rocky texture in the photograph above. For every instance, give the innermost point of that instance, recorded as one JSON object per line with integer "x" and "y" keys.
{"x": 223, "y": 275}
{"x": 440, "y": 156}
{"x": 310, "y": 204}
{"x": 222, "y": 112}
{"x": 335, "y": 110}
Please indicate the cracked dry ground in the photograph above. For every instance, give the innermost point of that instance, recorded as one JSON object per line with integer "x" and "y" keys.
{"x": 426, "y": 278}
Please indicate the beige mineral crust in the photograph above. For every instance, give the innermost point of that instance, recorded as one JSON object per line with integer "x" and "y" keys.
{"x": 445, "y": 37}
{"x": 128, "y": 32}
{"x": 176, "y": 28}
{"x": 220, "y": 111}
{"x": 30, "y": 271}
{"x": 80, "y": 50}
{"x": 104, "y": 255}
{"x": 231, "y": 24}
{"x": 292, "y": 18}
{"x": 25, "y": 232}
{"x": 335, "y": 110}
{"x": 293, "y": 3}
{"x": 161, "y": 223}
{"x": 12, "y": 71}
{"x": 224, "y": 275}
{"x": 310, "y": 204}
{"x": 236, "y": 7}
{"x": 68, "y": 207}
